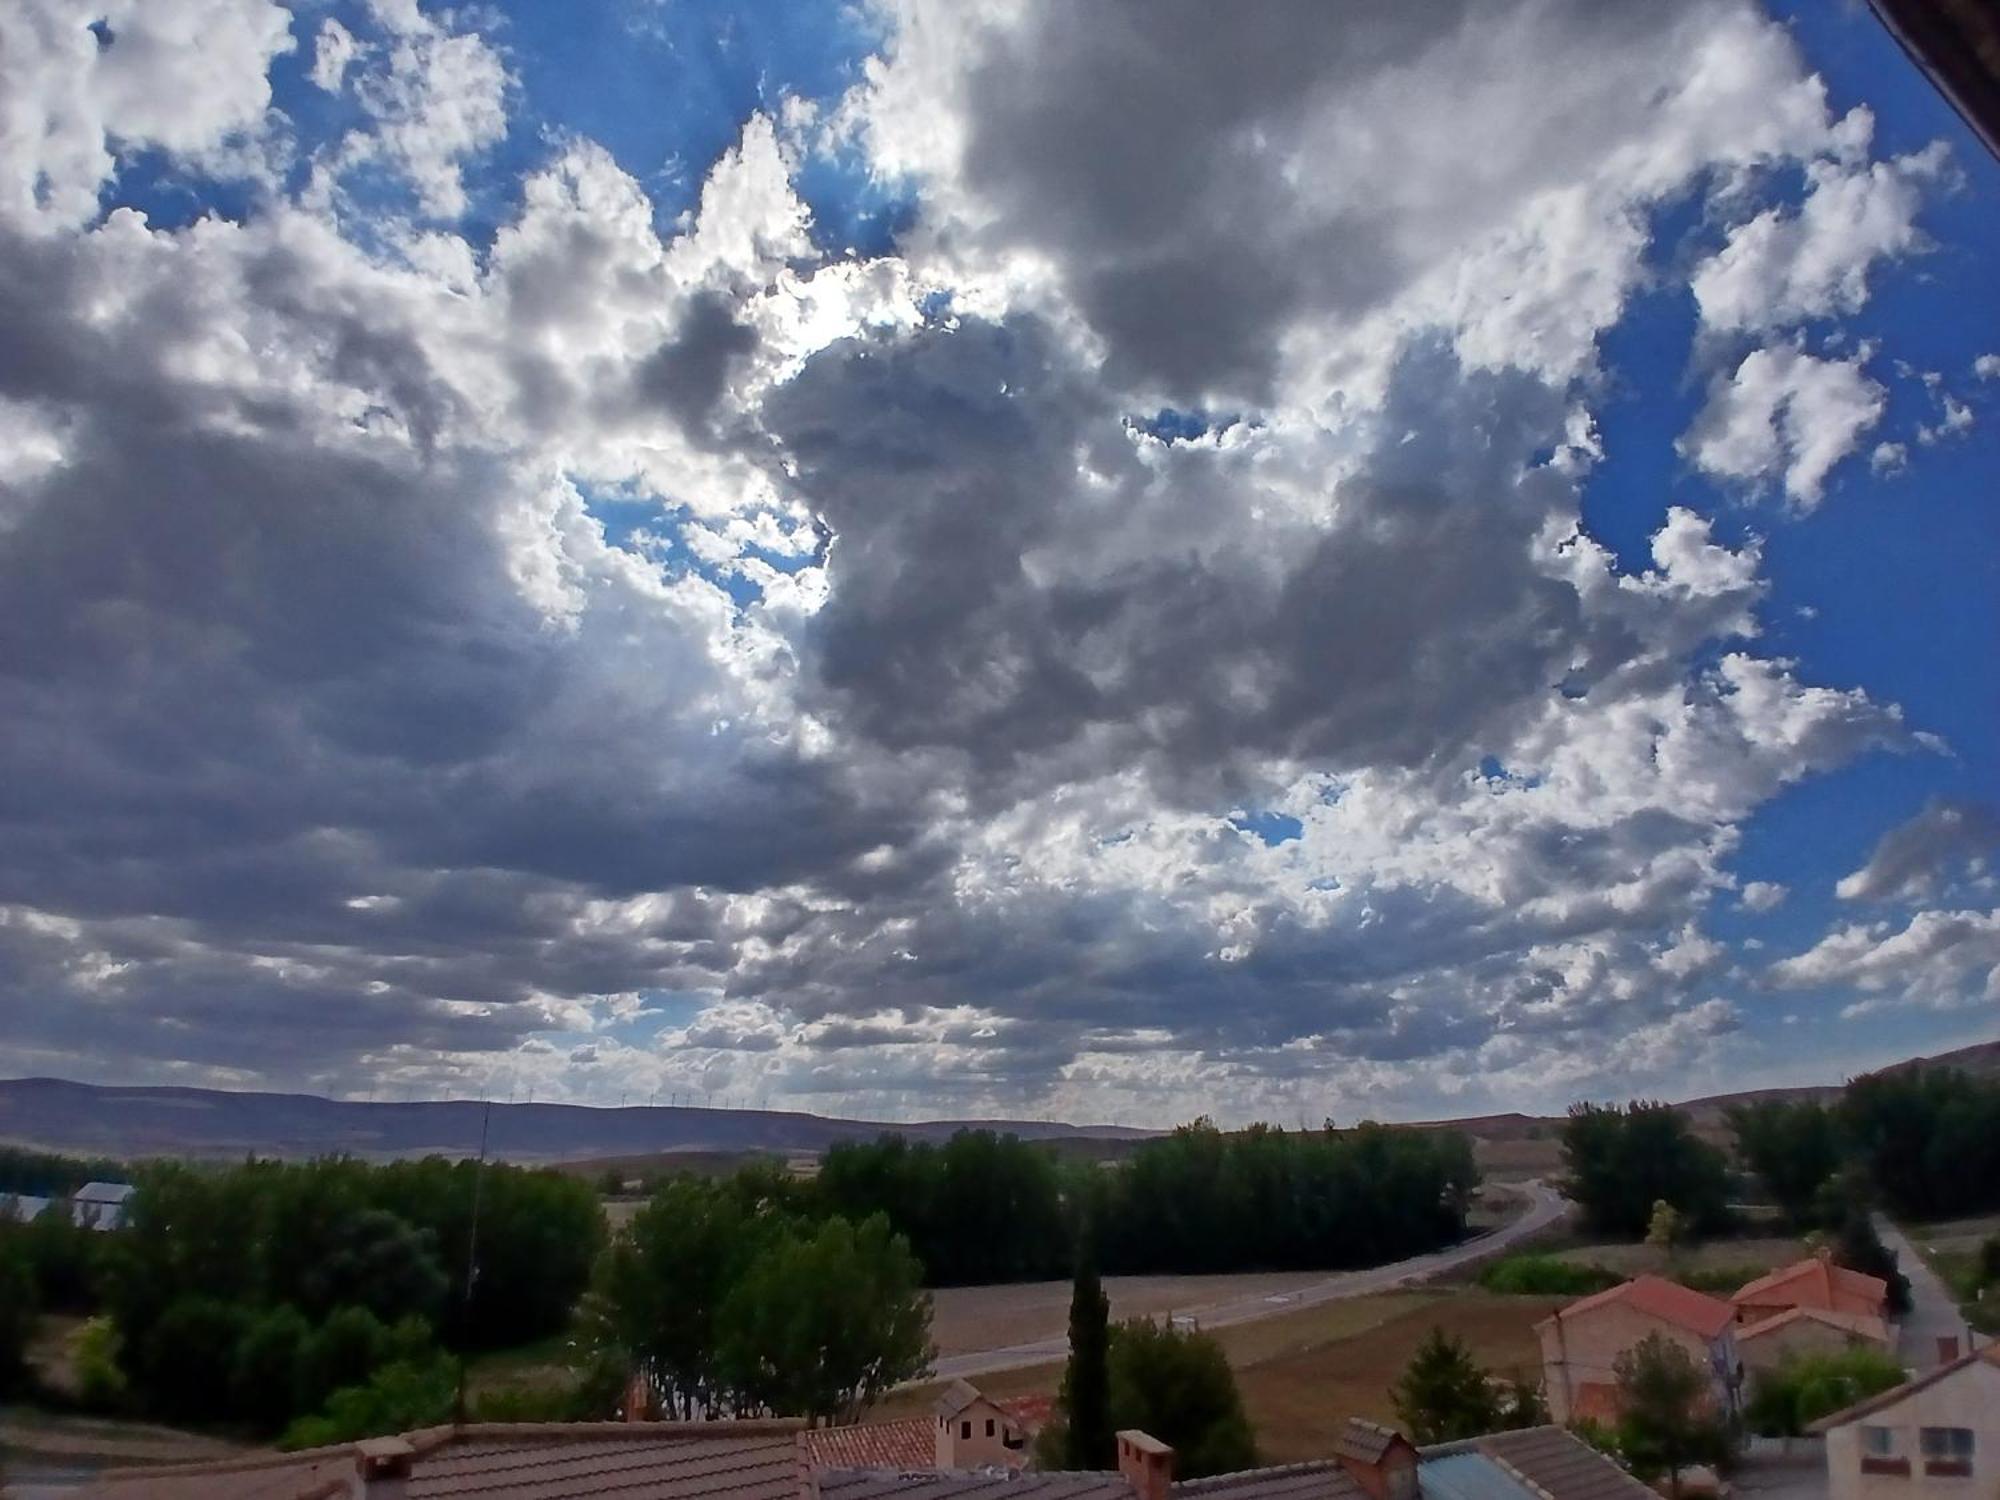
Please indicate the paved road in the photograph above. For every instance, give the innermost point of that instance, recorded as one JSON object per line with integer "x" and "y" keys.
{"x": 1545, "y": 1207}
{"x": 1933, "y": 1312}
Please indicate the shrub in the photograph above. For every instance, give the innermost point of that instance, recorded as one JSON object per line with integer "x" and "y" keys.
{"x": 1545, "y": 1276}
{"x": 1784, "y": 1401}
{"x": 94, "y": 1354}
{"x": 396, "y": 1398}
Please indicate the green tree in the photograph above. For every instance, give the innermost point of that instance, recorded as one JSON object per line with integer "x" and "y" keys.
{"x": 94, "y": 1353}
{"x": 344, "y": 1350}
{"x": 1859, "y": 1248}
{"x": 1089, "y": 1441}
{"x": 1177, "y": 1385}
{"x": 1443, "y": 1394}
{"x": 1785, "y": 1401}
{"x": 1620, "y": 1161}
{"x": 822, "y": 1325}
{"x": 1666, "y": 1229}
{"x": 19, "y": 1308}
{"x": 378, "y": 1260}
{"x": 267, "y": 1374}
{"x": 189, "y": 1357}
{"x": 1668, "y": 1423}
{"x": 1794, "y": 1147}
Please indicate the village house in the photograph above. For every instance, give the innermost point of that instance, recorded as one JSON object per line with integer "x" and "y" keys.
{"x": 1581, "y": 1344}
{"x": 1935, "y": 1436}
{"x": 102, "y": 1205}
{"x": 1814, "y": 1284}
{"x": 954, "y": 1436}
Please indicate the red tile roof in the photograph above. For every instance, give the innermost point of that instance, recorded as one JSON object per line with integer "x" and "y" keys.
{"x": 1668, "y": 1301}
{"x": 1862, "y": 1325}
{"x": 1815, "y": 1282}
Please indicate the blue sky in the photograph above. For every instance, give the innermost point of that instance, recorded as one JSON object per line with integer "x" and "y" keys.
{"x": 914, "y": 558}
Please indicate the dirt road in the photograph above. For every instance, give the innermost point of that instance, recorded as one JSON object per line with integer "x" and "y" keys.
{"x": 1232, "y": 1301}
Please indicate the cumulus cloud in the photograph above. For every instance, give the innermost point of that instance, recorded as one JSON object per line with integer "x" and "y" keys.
{"x": 1785, "y": 266}
{"x": 612, "y": 655}
{"x": 1762, "y": 895}
{"x": 1943, "y": 960}
{"x": 1787, "y": 415}
{"x": 1914, "y": 858}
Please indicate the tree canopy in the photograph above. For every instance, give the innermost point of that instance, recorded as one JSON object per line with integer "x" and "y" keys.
{"x": 1621, "y": 1161}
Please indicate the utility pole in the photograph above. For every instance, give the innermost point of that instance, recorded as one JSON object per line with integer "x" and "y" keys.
{"x": 471, "y": 1262}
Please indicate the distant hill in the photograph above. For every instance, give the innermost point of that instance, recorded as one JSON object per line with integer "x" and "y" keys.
{"x": 86, "y": 1119}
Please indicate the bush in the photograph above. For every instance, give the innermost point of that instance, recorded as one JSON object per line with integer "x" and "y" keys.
{"x": 269, "y": 1369}
{"x": 95, "y": 1353}
{"x": 396, "y": 1398}
{"x": 1545, "y": 1276}
{"x": 1784, "y": 1401}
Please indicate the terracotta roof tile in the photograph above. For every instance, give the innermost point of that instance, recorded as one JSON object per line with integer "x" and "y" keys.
{"x": 969, "y": 1484}
{"x": 910, "y": 1442}
{"x": 1668, "y": 1301}
{"x": 1860, "y": 1324}
{"x": 1365, "y": 1442}
{"x": 1559, "y": 1465}
{"x": 1827, "y": 1279}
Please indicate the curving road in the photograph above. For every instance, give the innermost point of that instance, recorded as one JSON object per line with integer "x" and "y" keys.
{"x": 1545, "y": 1207}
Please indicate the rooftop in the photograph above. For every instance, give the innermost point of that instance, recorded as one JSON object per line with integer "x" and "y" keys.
{"x": 970, "y": 1484}
{"x": 508, "y": 1461}
{"x": 1816, "y": 1273}
{"x": 1668, "y": 1301}
{"x": 1986, "y": 1353}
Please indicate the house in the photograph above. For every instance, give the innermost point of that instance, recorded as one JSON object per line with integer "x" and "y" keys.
{"x": 21, "y": 1208}
{"x": 971, "y": 1432}
{"x": 1799, "y": 1331}
{"x": 912, "y": 1442}
{"x": 1581, "y": 1344}
{"x": 1937, "y": 1435}
{"x": 102, "y": 1205}
{"x": 1815, "y": 1283}
{"x": 548, "y": 1460}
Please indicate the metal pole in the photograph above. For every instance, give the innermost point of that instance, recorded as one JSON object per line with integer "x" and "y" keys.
{"x": 471, "y": 1262}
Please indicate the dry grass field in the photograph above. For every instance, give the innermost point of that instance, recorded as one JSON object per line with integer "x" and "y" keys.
{"x": 1751, "y": 1255}
{"x": 965, "y": 1318}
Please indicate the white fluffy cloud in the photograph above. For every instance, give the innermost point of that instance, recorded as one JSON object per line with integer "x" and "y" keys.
{"x": 1784, "y": 266}
{"x": 1785, "y": 414}
{"x": 1941, "y": 959}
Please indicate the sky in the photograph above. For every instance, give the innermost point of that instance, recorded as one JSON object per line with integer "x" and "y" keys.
{"x": 918, "y": 559}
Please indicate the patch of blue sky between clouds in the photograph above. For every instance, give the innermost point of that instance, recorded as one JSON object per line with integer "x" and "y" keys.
{"x": 1272, "y": 828}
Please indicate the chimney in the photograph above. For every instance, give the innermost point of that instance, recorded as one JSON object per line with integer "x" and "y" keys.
{"x": 638, "y": 1398}
{"x": 382, "y": 1469}
{"x": 1146, "y": 1462}
{"x": 1379, "y": 1459}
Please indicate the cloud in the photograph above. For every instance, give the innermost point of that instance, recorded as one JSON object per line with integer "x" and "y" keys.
{"x": 1784, "y": 266}
{"x": 615, "y": 652}
{"x": 1762, "y": 895}
{"x": 1913, "y": 858}
{"x": 1942, "y": 960}
{"x": 1786, "y": 413}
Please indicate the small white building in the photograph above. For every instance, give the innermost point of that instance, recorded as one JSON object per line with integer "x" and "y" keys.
{"x": 21, "y": 1208}
{"x": 1935, "y": 1436}
{"x": 102, "y": 1205}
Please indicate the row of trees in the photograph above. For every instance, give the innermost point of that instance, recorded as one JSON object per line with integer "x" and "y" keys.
{"x": 984, "y": 1208}
{"x": 730, "y": 1299}
{"x": 253, "y": 1293}
{"x": 1928, "y": 1140}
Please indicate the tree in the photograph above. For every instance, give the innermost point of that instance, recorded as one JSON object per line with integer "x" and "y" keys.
{"x": 1444, "y": 1394}
{"x": 270, "y": 1358}
{"x": 189, "y": 1355}
{"x": 344, "y": 1350}
{"x": 1859, "y": 1248}
{"x": 1622, "y": 1160}
{"x": 19, "y": 1306}
{"x": 1666, "y": 1229}
{"x": 1785, "y": 1401}
{"x": 378, "y": 1260}
{"x": 94, "y": 1355}
{"x": 1667, "y": 1422}
{"x": 1089, "y": 1441}
{"x": 1793, "y": 1147}
{"x": 820, "y": 1326}
{"x": 1177, "y": 1385}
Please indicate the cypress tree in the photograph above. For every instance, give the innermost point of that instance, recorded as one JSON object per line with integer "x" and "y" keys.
{"x": 1088, "y": 1441}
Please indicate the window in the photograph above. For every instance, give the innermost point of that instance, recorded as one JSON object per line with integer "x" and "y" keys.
{"x": 989, "y": 1427}
{"x": 1879, "y": 1452}
{"x": 965, "y": 1429}
{"x": 1947, "y": 1450}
